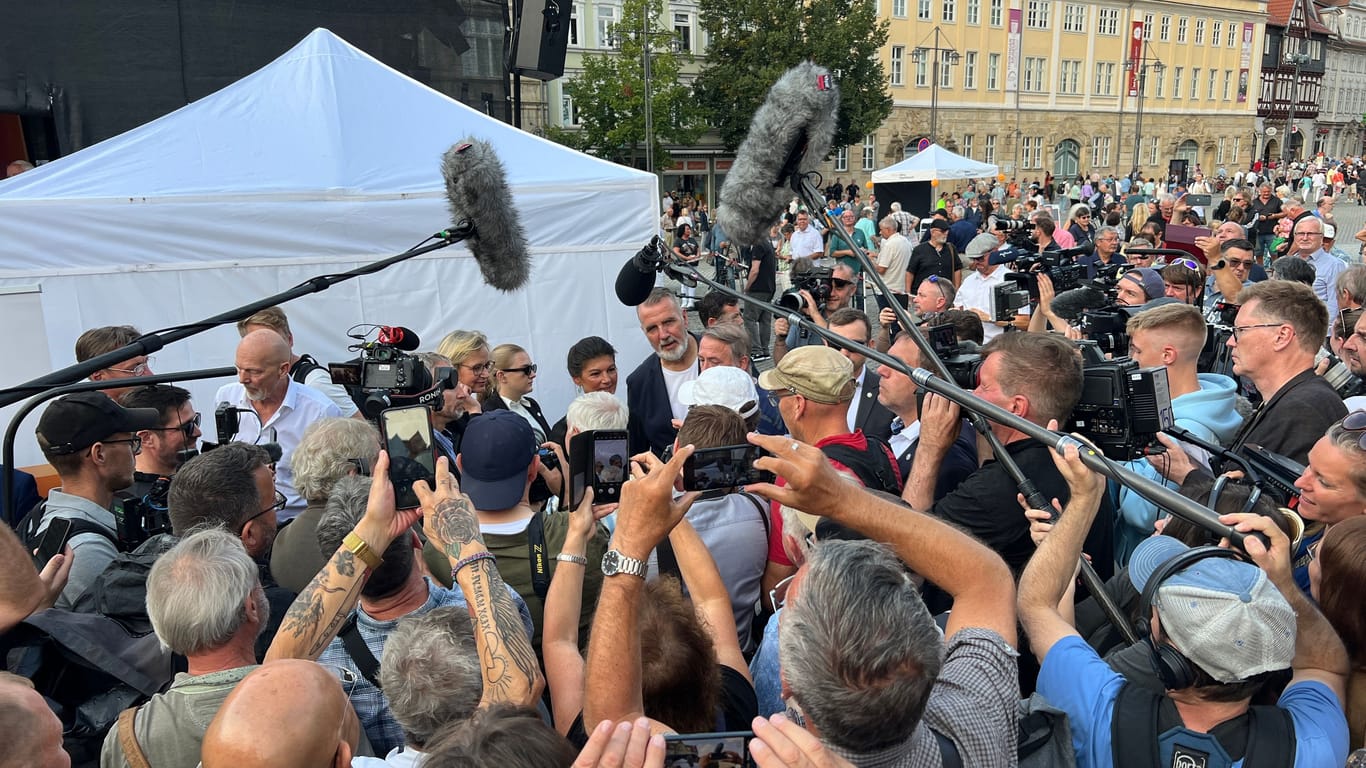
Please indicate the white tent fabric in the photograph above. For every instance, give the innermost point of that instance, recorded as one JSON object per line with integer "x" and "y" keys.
{"x": 321, "y": 161}
{"x": 935, "y": 162}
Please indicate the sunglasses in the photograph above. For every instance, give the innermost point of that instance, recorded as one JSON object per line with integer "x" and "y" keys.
{"x": 838, "y": 283}
{"x": 1240, "y": 263}
{"x": 777, "y": 597}
{"x": 346, "y": 677}
{"x": 1356, "y": 422}
{"x": 188, "y": 427}
{"x": 775, "y": 396}
{"x": 526, "y": 370}
{"x": 1190, "y": 264}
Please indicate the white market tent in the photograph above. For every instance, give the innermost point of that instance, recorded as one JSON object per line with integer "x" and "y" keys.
{"x": 321, "y": 161}
{"x": 935, "y": 163}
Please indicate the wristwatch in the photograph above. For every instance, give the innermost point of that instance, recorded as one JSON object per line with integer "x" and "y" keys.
{"x": 614, "y": 562}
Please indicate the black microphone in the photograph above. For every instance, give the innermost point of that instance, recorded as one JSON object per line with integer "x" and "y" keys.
{"x": 400, "y": 337}
{"x": 637, "y": 276}
{"x": 1070, "y": 304}
{"x": 477, "y": 189}
{"x": 791, "y": 129}
{"x": 1085, "y": 249}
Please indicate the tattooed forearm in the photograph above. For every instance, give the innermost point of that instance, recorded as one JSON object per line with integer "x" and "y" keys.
{"x": 319, "y": 611}
{"x": 511, "y": 672}
{"x": 456, "y": 524}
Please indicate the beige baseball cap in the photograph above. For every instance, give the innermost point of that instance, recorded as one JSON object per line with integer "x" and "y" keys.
{"x": 818, "y": 373}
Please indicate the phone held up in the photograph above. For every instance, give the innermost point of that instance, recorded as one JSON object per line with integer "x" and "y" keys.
{"x": 598, "y": 458}
{"x": 724, "y": 468}
{"x": 407, "y": 434}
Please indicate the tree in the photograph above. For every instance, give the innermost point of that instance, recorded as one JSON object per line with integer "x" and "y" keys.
{"x": 752, "y": 42}
{"x": 610, "y": 93}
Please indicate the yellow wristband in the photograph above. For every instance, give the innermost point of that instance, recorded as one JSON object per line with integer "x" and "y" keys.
{"x": 357, "y": 546}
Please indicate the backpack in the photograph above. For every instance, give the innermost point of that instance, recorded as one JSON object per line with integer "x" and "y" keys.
{"x": 1146, "y": 732}
{"x": 304, "y": 366}
{"x": 875, "y": 466}
{"x": 31, "y": 524}
{"x": 120, "y": 592}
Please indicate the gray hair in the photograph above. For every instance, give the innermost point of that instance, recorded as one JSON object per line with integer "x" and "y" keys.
{"x": 1106, "y": 230}
{"x": 1353, "y": 281}
{"x": 1078, "y": 208}
{"x": 733, "y": 336}
{"x": 858, "y": 647}
{"x": 430, "y": 673}
{"x": 896, "y": 206}
{"x": 1166, "y": 198}
{"x": 887, "y": 221}
{"x": 959, "y": 211}
{"x": 197, "y": 591}
{"x": 596, "y": 410}
{"x": 345, "y": 508}
{"x": 324, "y": 455}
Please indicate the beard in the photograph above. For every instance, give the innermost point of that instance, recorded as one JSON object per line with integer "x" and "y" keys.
{"x": 675, "y": 353}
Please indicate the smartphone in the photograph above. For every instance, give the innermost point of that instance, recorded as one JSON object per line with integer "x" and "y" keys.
{"x": 598, "y": 458}
{"x": 407, "y": 434}
{"x": 729, "y": 466}
{"x": 53, "y": 542}
{"x": 1197, "y": 201}
{"x": 729, "y": 749}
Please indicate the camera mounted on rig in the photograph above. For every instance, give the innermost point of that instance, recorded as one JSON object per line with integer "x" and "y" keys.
{"x": 386, "y": 375}
{"x": 819, "y": 281}
{"x": 1122, "y": 406}
{"x": 961, "y": 358}
{"x": 139, "y": 518}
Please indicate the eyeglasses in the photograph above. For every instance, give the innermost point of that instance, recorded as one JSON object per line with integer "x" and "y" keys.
{"x": 135, "y": 442}
{"x": 1238, "y": 329}
{"x": 526, "y": 370}
{"x": 280, "y": 502}
{"x": 141, "y": 369}
{"x": 779, "y": 592}
{"x": 345, "y": 677}
{"x": 1308, "y": 234}
{"x": 481, "y": 368}
{"x": 838, "y": 283}
{"x": 188, "y": 427}
{"x": 362, "y": 466}
{"x": 775, "y": 396}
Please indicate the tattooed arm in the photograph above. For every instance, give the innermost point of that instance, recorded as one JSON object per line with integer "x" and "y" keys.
{"x": 320, "y": 610}
{"x": 511, "y": 672}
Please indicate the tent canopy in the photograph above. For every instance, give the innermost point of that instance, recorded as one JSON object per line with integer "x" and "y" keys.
{"x": 321, "y": 161}
{"x": 935, "y": 162}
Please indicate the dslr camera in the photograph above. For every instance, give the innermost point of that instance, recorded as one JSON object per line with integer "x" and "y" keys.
{"x": 818, "y": 281}
{"x": 385, "y": 376}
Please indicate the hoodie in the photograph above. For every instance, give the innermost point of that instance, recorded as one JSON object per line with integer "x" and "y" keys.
{"x": 1209, "y": 414}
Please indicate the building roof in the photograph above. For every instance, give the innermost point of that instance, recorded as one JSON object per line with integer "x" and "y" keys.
{"x": 1278, "y": 15}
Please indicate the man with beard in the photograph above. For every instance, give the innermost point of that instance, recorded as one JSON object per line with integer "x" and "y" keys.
{"x": 273, "y": 407}
{"x": 166, "y": 447}
{"x": 652, "y": 388}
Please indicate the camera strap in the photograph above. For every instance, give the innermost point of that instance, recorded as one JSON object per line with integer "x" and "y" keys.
{"x": 536, "y": 555}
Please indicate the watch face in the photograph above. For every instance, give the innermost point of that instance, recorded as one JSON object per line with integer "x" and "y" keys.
{"x": 611, "y": 562}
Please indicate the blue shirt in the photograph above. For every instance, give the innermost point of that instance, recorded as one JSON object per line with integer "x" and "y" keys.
{"x": 1076, "y": 680}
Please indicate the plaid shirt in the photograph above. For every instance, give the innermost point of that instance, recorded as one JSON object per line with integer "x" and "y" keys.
{"x": 372, "y": 708}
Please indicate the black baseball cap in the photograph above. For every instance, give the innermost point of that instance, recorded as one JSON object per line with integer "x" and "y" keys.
{"x": 939, "y": 224}
{"x": 78, "y": 421}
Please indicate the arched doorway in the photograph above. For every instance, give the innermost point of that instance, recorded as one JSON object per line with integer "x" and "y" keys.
{"x": 911, "y": 148}
{"x": 1272, "y": 150}
{"x": 1296, "y": 143}
{"x": 1188, "y": 151}
{"x": 1066, "y": 160}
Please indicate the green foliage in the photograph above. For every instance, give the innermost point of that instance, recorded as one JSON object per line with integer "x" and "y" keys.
{"x": 752, "y": 42}
{"x": 610, "y": 93}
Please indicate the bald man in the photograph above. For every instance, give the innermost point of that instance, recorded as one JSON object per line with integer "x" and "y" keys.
{"x": 34, "y": 733}
{"x": 287, "y": 713}
{"x": 283, "y": 408}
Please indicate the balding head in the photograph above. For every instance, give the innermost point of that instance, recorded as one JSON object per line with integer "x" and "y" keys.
{"x": 287, "y": 713}
{"x": 263, "y": 365}
{"x": 33, "y": 731}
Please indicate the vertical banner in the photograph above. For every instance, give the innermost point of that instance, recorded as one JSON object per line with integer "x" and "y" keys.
{"x": 1135, "y": 55}
{"x": 1245, "y": 62}
{"x": 1013, "y": 51}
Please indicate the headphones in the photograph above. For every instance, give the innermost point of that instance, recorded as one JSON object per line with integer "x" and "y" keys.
{"x": 1174, "y": 670}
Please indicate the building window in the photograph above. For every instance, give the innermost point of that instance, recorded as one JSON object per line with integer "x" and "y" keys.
{"x": 1195, "y": 82}
{"x": 974, "y": 12}
{"x": 996, "y": 12}
{"x": 898, "y": 56}
{"x": 1035, "y": 74}
{"x": 1037, "y": 15}
{"x": 945, "y": 75}
{"x": 1148, "y": 26}
{"x": 1181, "y": 25}
{"x": 1233, "y": 34}
{"x": 1176, "y": 82}
{"x": 1152, "y": 151}
{"x": 989, "y": 152}
{"x": 1216, "y": 35}
{"x": 842, "y": 159}
{"x": 574, "y": 25}
{"x": 1074, "y": 18}
{"x": 922, "y": 78}
{"x": 1069, "y": 76}
{"x": 1105, "y": 78}
{"x": 1213, "y": 78}
{"x": 1200, "y": 32}
{"x": 1100, "y": 151}
{"x": 607, "y": 16}
{"x": 967, "y": 145}
{"x": 1032, "y": 156}
{"x": 899, "y": 8}
{"x": 993, "y": 67}
{"x": 922, "y": 10}
{"x": 569, "y": 114}
{"x": 1107, "y": 21}
{"x": 869, "y": 147}
{"x": 683, "y": 31}
{"x": 1237, "y": 148}
{"x": 1166, "y": 32}
{"x": 1228, "y": 82}
{"x": 1219, "y": 158}
{"x": 970, "y": 69}
{"x": 948, "y": 10}
{"x": 1161, "y": 82}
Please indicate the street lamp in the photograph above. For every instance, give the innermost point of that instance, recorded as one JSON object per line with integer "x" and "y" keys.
{"x": 1299, "y": 59}
{"x": 944, "y": 55}
{"x": 1143, "y": 62}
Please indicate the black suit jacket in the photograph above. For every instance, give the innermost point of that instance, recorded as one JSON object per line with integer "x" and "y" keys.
{"x": 872, "y": 417}
{"x": 649, "y": 426}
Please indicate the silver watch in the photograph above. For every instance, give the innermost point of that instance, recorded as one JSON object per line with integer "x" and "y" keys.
{"x": 614, "y": 562}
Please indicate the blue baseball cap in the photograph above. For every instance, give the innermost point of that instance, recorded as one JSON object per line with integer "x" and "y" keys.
{"x": 495, "y": 453}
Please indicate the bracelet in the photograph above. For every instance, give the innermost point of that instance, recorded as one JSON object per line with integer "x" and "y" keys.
{"x": 474, "y": 558}
{"x": 358, "y": 547}
{"x": 565, "y": 557}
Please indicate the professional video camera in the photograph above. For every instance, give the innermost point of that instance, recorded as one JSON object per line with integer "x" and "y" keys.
{"x": 818, "y": 281}
{"x": 1008, "y": 298}
{"x": 1030, "y": 264}
{"x": 139, "y": 518}
{"x": 962, "y": 359}
{"x": 385, "y": 375}
{"x": 1216, "y": 357}
{"x": 1343, "y": 381}
{"x": 1106, "y": 327}
{"x": 1122, "y": 406}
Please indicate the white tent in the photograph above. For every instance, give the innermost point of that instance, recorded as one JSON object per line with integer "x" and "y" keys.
{"x": 935, "y": 162}
{"x": 323, "y": 160}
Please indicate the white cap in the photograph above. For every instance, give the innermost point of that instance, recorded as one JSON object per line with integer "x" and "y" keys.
{"x": 722, "y": 385}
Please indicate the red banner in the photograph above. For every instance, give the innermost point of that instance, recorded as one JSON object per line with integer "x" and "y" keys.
{"x": 1135, "y": 55}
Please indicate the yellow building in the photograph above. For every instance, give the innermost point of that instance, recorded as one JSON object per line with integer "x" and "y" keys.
{"x": 1040, "y": 86}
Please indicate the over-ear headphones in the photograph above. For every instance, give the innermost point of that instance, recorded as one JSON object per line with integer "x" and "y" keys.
{"x": 1174, "y": 670}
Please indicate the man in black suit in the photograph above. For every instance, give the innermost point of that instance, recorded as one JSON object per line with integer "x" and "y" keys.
{"x": 865, "y": 412}
{"x": 652, "y": 388}
{"x": 898, "y": 393}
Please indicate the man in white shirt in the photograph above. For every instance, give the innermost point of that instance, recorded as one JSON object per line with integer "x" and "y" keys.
{"x": 806, "y": 241}
{"x": 272, "y": 407}
{"x": 974, "y": 294}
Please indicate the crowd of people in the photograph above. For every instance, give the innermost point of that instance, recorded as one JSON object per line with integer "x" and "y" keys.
{"x": 888, "y": 599}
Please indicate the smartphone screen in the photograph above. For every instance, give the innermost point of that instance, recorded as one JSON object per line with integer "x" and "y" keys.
{"x": 54, "y": 540}
{"x": 407, "y": 435}
{"x": 714, "y": 750}
{"x": 611, "y": 465}
{"x": 729, "y": 466}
